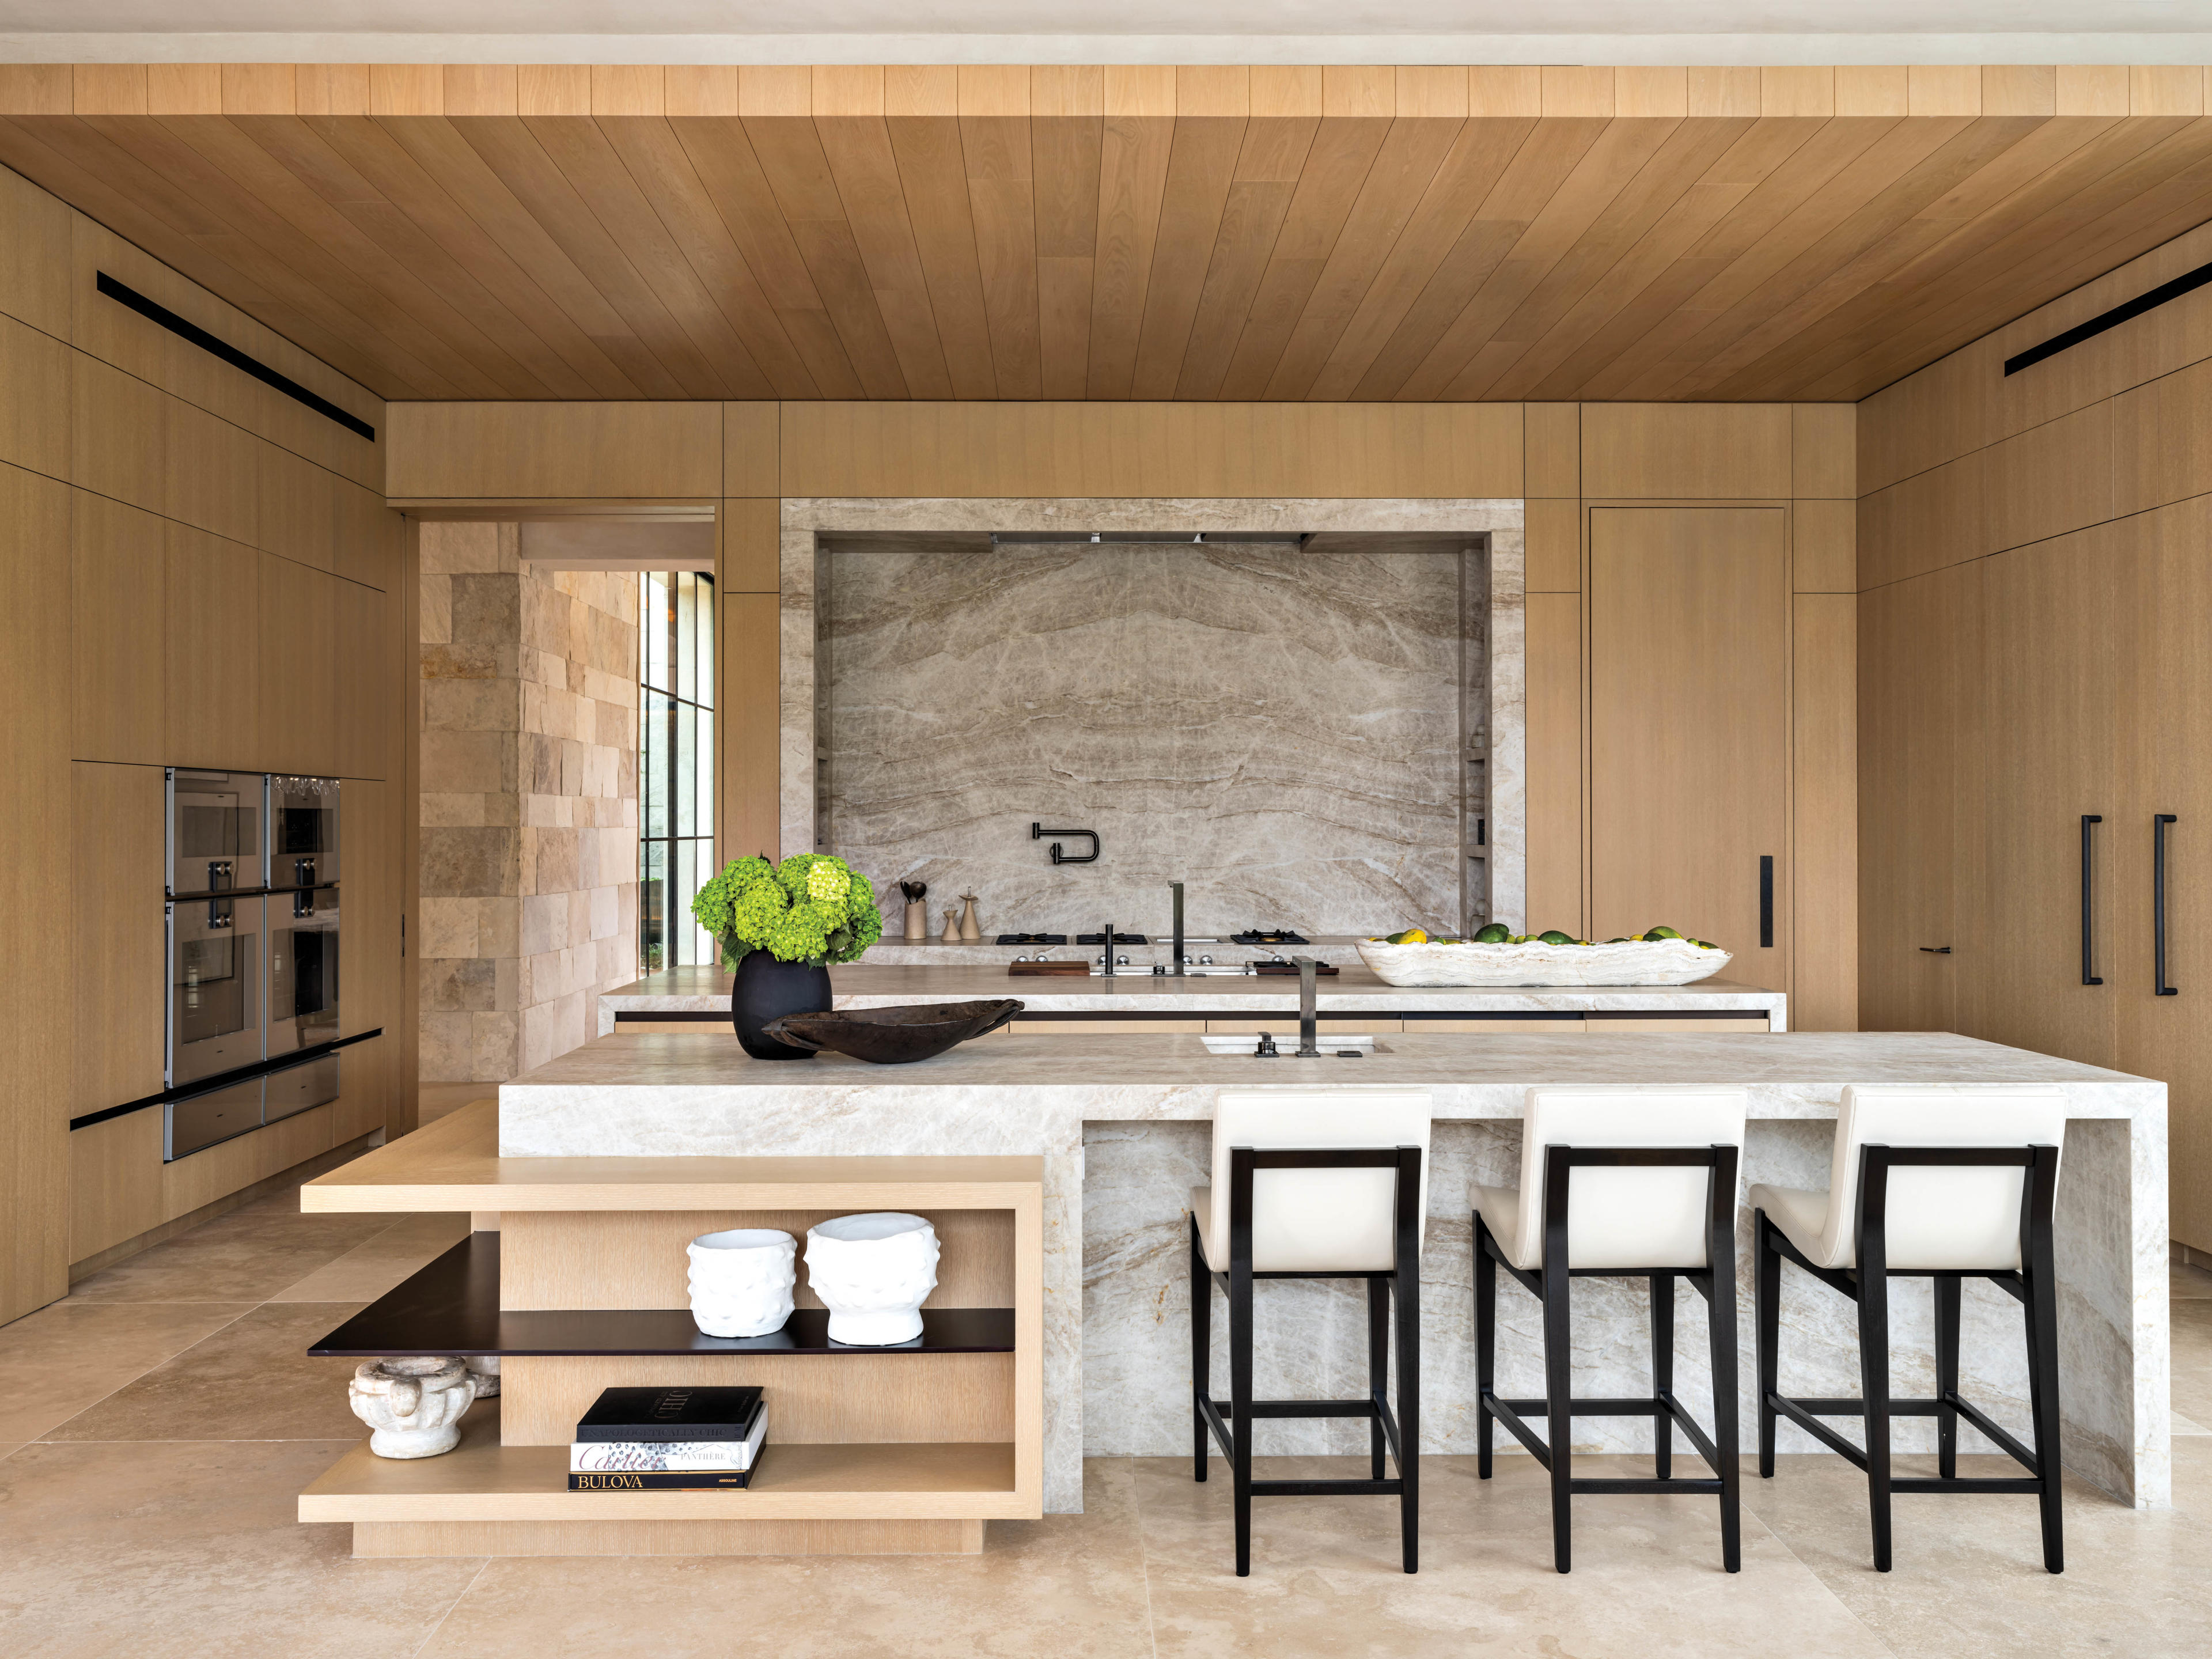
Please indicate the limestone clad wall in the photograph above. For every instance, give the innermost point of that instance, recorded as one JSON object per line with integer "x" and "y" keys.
{"x": 529, "y": 802}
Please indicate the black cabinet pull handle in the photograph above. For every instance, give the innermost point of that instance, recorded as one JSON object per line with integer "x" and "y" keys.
{"x": 2088, "y": 914}
{"x": 1935, "y": 950}
{"x": 2158, "y": 822}
{"x": 1766, "y": 901}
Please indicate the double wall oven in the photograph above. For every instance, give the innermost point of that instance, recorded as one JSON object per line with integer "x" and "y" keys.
{"x": 252, "y": 921}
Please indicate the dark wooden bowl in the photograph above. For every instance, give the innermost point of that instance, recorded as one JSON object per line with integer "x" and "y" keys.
{"x": 895, "y": 1036}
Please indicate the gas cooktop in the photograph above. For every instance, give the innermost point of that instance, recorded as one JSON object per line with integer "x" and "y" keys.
{"x": 1032, "y": 938}
{"x": 1268, "y": 936}
{"x": 1119, "y": 938}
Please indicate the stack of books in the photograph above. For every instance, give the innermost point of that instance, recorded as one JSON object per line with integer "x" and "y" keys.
{"x": 668, "y": 1440}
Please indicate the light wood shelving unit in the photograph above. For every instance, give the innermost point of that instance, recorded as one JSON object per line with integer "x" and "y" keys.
{"x": 857, "y": 1475}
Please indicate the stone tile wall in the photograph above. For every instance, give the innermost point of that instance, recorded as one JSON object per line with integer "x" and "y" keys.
{"x": 529, "y": 802}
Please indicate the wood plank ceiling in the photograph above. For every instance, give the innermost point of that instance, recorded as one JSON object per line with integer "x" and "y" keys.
{"x": 490, "y": 232}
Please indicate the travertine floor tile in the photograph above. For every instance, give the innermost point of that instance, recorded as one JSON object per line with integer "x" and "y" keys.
{"x": 73, "y": 1353}
{"x": 2191, "y": 1282}
{"x": 368, "y": 1270}
{"x": 155, "y": 1551}
{"x": 251, "y": 1380}
{"x": 1071, "y": 1587}
{"x": 1968, "y": 1574}
{"x": 1326, "y": 1577}
{"x": 247, "y": 1256}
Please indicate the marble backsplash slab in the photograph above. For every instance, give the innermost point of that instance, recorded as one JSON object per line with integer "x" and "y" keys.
{"x": 809, "y": 764}
{"x": 1275, "y": 727}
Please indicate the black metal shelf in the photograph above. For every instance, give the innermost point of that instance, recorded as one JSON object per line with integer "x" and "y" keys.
{"x": 451, "y": 1307}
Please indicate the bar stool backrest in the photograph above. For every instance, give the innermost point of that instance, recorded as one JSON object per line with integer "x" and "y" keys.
{"x": 1625, "y": 1218}
{"x": 1317, "y": 1220}
{"x": 1963, "y": 1217}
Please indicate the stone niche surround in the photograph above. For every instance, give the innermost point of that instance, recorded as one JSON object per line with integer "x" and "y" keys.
{"x": 529, "y": 858}
{"x": 1496, "y": 523}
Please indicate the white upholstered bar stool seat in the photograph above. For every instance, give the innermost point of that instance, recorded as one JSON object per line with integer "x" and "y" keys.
{"x": 1953, "y": 1219}
{"x": 1338, "y": 1188}
{"x": 1642, "y": 1182}
{"x": 1946, "y": 1183}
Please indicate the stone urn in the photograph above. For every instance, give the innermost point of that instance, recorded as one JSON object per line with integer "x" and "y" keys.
{"x": 872, "y": 1272}
{"x": 484, "y": 1371}
{"x": 413, "y": 1405}
{"x": 741, "y": 1280}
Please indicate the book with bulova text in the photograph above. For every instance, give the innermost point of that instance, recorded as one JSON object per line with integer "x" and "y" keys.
{"x": 720, "y": 1457}
{"x": 658, "y": 1480}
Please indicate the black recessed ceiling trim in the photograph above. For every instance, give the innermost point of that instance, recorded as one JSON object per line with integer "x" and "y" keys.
{"x": 2188, "y": 283}
{"x": 124, "y": 293}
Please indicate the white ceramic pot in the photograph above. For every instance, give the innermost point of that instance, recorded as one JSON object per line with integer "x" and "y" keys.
{"x": 872, "y": 1272}
{"x": 412, "y": 1405}
{"x": 741, "y": 1280}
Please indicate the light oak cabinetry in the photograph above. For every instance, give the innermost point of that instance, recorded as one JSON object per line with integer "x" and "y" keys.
{"x": 118, "y": 974}
{"x": 1689, "y": 690}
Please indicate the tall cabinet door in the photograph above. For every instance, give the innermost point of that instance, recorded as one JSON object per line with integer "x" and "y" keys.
{"x": 1922, "y": 687}
{"x": 2047, "y": 763}
{"x": 1689, "y": 678}
{"x": 2164, "y": 583}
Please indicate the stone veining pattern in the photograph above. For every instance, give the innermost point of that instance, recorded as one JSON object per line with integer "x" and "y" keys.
{"x": 1122, "y": 1123}
{"x": 805, "y": 717}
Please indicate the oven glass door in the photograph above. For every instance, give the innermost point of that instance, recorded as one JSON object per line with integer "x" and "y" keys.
{"x": 216, "y": 964}
{"x": 303, "y": 968}
{"x": 215, "y": 831}
{"x": 303, "y": 831}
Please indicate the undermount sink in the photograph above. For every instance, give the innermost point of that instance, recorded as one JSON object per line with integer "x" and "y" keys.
{"x": 1286, "y": 1043}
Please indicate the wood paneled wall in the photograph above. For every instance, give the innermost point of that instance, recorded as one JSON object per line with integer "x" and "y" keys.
{"x": 2033, "y": 573}
{"x": 197, "y": 570}
{"x": 1798, "y": 458}
{"x": 1564, "y": 459}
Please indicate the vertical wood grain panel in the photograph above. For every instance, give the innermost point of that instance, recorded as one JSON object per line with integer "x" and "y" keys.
{"x": 1552, "y": 434}
{"x": 1554, "y": 649}
{"x": 1824, "y": 450}
{"x": 34, "y": 807}
{"x": 119, "y": 685}
{"x": 1554, "y": 549}
{"x": 752, "y": 463}
{"x": 116, "y": 953}
{"x": 749, "y": 805}
{"x": 35, "y": 399}
{"x": 1824, "y": 982}
{"x": 1688, "y": 450}
{"x": 365, "y": 689}
{"x": 1690, "y": 744}
{"x": 212, "y": 649}
{"x": 297, "y": 618}
{"x": 751, "y": 550}
{"x": 1824, "y": 547}
{"x": 115, "y": 1182}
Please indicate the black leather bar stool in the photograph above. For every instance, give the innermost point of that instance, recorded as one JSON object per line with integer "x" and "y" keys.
{"x": 1313, "y": 1184}
{"x": 1637, "y": 1183}
{"x": 1947, "y": 1184}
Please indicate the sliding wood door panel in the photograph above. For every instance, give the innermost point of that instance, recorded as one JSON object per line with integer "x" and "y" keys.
{"x": 1689, "y": 647}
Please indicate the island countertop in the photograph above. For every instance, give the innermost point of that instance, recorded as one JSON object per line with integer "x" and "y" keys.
{"x": 1121, "y": 1123}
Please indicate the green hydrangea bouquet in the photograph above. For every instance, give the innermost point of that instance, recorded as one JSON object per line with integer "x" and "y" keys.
{"x": 810, "y": 909}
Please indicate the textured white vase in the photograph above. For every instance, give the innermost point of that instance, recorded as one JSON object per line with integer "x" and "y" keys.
{"x": 483, "y": 1371}
{"x": 872, "y": 1272}
{"x": 741, "y": 1280}
{"x": 413, "y": 1405}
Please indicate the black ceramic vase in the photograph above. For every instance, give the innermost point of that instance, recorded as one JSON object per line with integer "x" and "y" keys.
{"x": 767, "y": 989}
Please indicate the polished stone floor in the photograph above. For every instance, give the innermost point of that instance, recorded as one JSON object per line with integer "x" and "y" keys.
{"x": 156, "y": 1425}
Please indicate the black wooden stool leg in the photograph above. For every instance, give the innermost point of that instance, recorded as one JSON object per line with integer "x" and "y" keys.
{"x": 1947, "y": 1377}
{"x": 1485, "y": 1346}
{"x": 1766, "y": 1298}
{"x": 1727, "y": 1437}
{"x": 1378, "y": 1364}
{"x": 1201, "y": 1352}
{"x": 1406, "y": 1292}
{"x": 2042, "y": 1312}
{"x": 1240, "y": 1406}
{"x": 1558, "y": 1381}
{"x": 1873, "y": 1377}
{"x": 1662, "y": 1372}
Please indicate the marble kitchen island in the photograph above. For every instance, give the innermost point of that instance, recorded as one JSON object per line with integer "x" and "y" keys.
{"x": 1121, "y": 1124}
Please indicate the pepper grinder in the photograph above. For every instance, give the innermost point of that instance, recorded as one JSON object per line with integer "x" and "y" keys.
{"x": 971, "y": 930}
{"x": 952, "y": 934}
